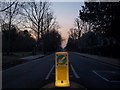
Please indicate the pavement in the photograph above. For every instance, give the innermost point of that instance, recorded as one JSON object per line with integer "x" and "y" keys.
{"x": 112, "y": 61}
{"x": 32, "y": 57}
{"x": 83, "y": 71}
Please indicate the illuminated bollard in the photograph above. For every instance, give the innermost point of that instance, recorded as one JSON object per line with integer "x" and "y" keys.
{"x": 61, "y": 69}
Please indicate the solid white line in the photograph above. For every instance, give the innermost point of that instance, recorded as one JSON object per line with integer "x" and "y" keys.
{"x": 96, "y": 60}
{"x": 100, "y": 76}
{"x": 47, "y": 77}
{"x": 76, "y": 75}
{"x": 105, "y": 78}
{"x": 20, "y": 65}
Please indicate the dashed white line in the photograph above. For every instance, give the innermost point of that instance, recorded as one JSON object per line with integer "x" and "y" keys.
{"x": 48, "y": 75}
{"x": 74, "y": 72}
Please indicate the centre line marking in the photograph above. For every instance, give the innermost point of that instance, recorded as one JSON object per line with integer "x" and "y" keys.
{"x": 76, "y": 75}
{"x": 48, "y": 75}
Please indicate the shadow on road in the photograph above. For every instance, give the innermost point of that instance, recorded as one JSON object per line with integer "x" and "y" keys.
{"x": 72, "y": 85}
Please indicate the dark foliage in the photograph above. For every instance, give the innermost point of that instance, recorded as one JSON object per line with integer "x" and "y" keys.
{"x": 104, "y": 39}
{"x": 15, "y": 41}
{"x": 104, "y": 16}
{"x": 22, "y": 41}
{"x": 52, "y": 41}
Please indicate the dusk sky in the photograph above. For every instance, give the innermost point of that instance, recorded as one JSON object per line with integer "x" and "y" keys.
{"x": 65, "y": 13}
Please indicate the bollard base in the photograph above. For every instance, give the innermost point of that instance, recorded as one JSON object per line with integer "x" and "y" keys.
{"x": 72, "y": 85}
{"x": 64, "y": 83}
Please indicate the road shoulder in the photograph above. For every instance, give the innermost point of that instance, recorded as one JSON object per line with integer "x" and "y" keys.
{"x": 112, "y": 61}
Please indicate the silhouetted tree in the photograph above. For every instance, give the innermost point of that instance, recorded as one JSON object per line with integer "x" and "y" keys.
{"x": 100, "y": 29}
{"x": 24, "y": 42}
{"x": 104, "y": 16}
{"x": 19, "y": 41}
{"x": 40, "y": 17}
{"x": 8, "y": 37}
{"x": 79, "y": 26}
{"x": 88, "y": 39}
{"x": 8, "y": 14}
{"x": 82, "y": 26}
{"x": 52, "y": 41}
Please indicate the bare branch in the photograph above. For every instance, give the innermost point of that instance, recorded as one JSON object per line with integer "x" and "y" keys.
{"x": 7, "y": 7}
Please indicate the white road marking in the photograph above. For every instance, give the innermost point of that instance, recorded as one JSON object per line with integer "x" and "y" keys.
{"x": 100, "y": 76}
{"x": 104, "y": 77}
{"x": 107, "y": 71}
{"x": 74, "y": 72}
{"x": 47, "y": 77}
{"x": 99, "y": 61}
{"x": 20, "y": 65}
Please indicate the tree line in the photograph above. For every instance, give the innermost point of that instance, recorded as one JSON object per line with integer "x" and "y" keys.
{"x": 96, "y": 29}
{"x": 20, "y": 22}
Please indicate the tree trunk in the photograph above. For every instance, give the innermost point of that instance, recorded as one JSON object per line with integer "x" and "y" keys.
{"x": 9, "y": 28}
{"x": 38, "y": 38}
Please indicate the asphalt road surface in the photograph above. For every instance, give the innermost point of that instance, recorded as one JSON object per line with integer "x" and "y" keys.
{"x": 85, "y": 71}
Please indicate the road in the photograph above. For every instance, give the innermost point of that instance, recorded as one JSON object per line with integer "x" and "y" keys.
{"x": 83, "y": 70}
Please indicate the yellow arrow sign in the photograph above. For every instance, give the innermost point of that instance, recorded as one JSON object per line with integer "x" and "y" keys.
{"x": 61, "y": 69}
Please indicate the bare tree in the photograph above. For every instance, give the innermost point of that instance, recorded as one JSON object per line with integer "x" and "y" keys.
{"x": 9, "y": 12}
{"x": 82, "y": 27}
{"x": 40, "y": 17}
{"x": 73, "y": 33}
{"x": 4, "y": 9}
{"x": 79, "y": 26}
{"x": 8, "y": 15}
